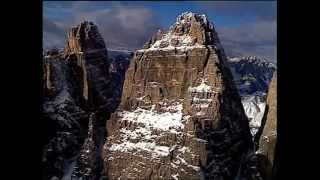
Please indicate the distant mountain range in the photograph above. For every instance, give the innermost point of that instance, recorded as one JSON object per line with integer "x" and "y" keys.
{"x": 252, "y": 76}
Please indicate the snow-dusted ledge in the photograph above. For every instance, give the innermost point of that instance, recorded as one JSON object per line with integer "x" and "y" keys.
{"x": 168, "y": 122}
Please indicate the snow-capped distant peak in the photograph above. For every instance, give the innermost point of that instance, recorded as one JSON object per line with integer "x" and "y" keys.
{"x": 254, "y": 109}
{"x": 234, "y": 59}
{"x": 251, "y": 59}
{"x": 252, "y": 76}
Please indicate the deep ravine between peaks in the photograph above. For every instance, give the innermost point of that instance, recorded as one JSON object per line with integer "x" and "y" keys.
{"x": 252, "y": 77}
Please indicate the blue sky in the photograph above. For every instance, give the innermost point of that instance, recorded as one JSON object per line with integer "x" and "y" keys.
{"x": 245, "y": 28}
{"x": 168, "y": 12}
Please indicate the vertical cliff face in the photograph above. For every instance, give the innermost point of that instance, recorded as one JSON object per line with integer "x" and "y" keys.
{"x": 63, "y": 115}
{"x": 86, "y": 48}
{"x": 81, "y": 88}
{"x": 84, "y": 38}
{"x": 180, "y": 115}
{"x": 268, "y": 138}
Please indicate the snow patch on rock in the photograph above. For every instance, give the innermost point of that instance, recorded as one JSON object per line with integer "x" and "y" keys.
{"x": 203, "y": 87}
{"x": 152, "y": 148}
{"x": 151, "y": 119}
{"x": 142, "y": 137}
{"x": 254, "y": 109}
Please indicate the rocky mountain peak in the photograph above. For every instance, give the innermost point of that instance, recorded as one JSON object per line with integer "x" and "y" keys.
{"x": 180, "y": 115}
{"x": 86, "y": 51}
{"x": 83, "y": 37}
{"x": 190, "y": 17}
{"x": 82, "y": 84}
{"x": 189, "y": 30}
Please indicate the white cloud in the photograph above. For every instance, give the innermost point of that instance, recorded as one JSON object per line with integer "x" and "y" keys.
{"x": 120, "y": 26}
{"x": 131, "y": 26}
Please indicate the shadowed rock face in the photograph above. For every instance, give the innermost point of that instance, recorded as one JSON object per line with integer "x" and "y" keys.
{"x": 268, "y": 138}
{"x": 63, "y": 114}
{"x": 180, "y": 115}
{"x": 89, "y": 163}
{"x": 79, "y": 83}
{"x": 83, "y": 38}
{"x": 85, "y": 46}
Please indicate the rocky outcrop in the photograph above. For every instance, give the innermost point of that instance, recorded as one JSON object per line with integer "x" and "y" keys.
{"x": 268, "y": 138}
{"x": 84, "y": 38}
{"x": 79, "y": 83}
{"x": 180, "y": 115}
{"x": 188, "y": 30}
{"x": 86, "y": 48}
{"x": 63, "y": 116}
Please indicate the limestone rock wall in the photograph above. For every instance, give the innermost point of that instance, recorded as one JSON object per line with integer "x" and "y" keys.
{"x": 78, "y": 82}
{"x": 180, "y": 115}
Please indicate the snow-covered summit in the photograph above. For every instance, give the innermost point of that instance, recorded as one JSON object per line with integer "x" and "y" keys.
{"x": 187, "y": 16}
{"x": 252, "y": 60}
{"x": 190, "y": 31}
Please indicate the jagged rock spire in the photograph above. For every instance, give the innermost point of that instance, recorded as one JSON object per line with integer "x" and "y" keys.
{"x": 85, "y": 46}
{"x": 77, "y": 83}
{"x": 83, "y": 37}
{"x": 190, "y": 29}
{"x": 180, "y": 115}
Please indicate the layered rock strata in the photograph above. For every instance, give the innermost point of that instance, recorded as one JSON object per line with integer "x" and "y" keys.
{"x": 180, "y": 115}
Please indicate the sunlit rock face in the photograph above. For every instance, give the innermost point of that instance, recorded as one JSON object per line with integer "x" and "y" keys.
{"x": 180, "y": 115}
{"x": 268, "y": 139}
